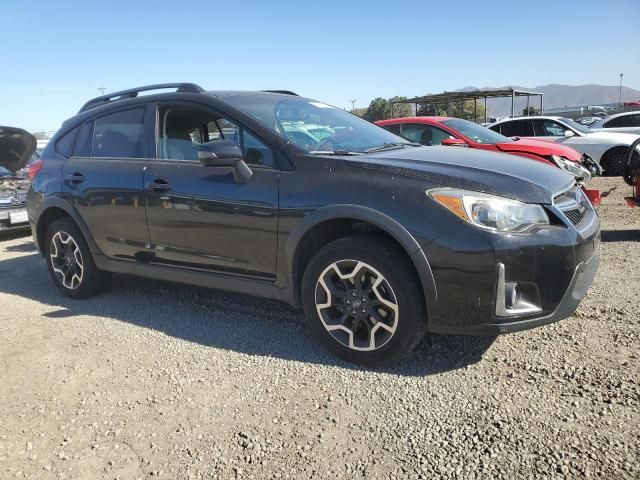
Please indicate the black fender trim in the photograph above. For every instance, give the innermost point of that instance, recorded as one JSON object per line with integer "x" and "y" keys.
{"x": 62, "y": 204}
{"x": 380, "y": 220}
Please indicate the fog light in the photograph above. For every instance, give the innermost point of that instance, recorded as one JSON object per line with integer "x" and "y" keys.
{"x": 515, "y": 298}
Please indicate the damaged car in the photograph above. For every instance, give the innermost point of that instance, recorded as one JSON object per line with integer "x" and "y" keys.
{"x": 17, "y": 148}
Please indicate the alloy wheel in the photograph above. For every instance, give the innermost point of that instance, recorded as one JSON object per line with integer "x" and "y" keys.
{"x": 356, "y": 305}
{"x": 66, "y": 260}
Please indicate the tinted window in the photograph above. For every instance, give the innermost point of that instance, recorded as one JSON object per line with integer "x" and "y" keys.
{"x": 64, "y": 146}
{"x": 517, "y": 128}
{"x": 424, "y": 134}
{"x": 395, "y": 128}
{"x": 624, "y": 121}
{"x": 119, "y": 135}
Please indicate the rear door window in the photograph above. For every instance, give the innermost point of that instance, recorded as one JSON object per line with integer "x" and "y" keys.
{"x": 119, "y": 135}
{"x": 516, "y": 128}
{"x": 623, "y": 121}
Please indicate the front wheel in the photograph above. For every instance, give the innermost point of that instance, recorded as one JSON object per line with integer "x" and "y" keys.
{"x": 614, "y": 162}
{"x": 362, "y": 298}
{"x": 70, "y": 262}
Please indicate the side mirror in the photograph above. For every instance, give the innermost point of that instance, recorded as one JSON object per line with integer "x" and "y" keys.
{"x": 454, "y": 142}
{"x": 225, "y": 153}
{"x": 568, "y": 133}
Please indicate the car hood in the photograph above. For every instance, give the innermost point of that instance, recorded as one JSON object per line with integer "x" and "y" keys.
{"x": 16, "y": 148}
{"x": 538, "y": 147}
{"x": 481, "y": 171}
{"x": 612, "y": 137}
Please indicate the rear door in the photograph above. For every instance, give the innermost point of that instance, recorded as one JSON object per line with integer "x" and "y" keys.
{"x": 515, "y": 128}
{"x": 199, "y": 217}
{"x": 103, "y": 181}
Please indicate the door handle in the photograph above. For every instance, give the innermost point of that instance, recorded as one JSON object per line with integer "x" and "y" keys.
{"x": 74, "y": 178}
{"x": 159, "y": 185}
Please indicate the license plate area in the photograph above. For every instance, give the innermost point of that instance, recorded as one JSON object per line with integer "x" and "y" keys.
{"x": 18, "y": 217}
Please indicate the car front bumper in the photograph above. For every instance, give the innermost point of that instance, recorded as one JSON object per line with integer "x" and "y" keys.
{"x": 558, "y": 264}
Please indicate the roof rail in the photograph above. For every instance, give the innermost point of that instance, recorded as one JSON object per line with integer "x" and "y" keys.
{"x": 133, "y": 92}
{"x": 284, "y": 92}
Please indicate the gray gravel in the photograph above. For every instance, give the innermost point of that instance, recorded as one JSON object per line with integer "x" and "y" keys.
{"x": 155, "y": 379}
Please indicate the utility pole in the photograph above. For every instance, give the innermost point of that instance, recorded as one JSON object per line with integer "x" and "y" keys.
{"x": 353, "y": 104}
{"x": 620, "y": 93}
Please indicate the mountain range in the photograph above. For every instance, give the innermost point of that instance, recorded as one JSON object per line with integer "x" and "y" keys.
{"x": 558, "y": 96}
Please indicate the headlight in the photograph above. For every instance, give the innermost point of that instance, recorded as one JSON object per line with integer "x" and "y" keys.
{"x": 490, "y": 212}
{"x": 573, "y": 168}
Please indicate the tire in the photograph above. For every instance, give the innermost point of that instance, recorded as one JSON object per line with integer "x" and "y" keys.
{"x": 614, "y": 162}
{"x": 335, "y": 306}
{"x": 70, "y": 262}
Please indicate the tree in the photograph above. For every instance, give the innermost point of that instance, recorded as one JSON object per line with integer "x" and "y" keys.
{"x": 378, "y": 109}
{"x": 532, "y": 111}
{"x": 40, "y": 135}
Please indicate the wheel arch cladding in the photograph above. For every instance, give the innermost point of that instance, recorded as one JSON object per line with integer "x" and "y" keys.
{"x": 332, "y": 222}
{"x": 54, "y": 209}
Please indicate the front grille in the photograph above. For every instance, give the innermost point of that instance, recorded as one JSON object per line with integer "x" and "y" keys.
{"x": 573, "y": 204}
{"x": 575, "y": 216}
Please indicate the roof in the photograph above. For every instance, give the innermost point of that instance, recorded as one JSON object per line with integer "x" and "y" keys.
{"x": 423, "y": 119}
{"x": 469, "y": 95}
{"x": 531, "y": 117}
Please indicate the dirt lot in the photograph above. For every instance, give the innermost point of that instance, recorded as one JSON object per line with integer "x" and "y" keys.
{"x": 155, "y": 379}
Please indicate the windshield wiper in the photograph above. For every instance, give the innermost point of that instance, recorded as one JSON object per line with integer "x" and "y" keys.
{"x": 333, "y": 152}
{"x": 391, "y": 146}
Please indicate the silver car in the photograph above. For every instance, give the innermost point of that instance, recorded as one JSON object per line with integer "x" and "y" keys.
{"x": 627, "y": 122}
{"x": 607, "y": 148}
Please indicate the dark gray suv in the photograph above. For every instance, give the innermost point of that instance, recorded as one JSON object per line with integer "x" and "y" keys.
{"x": 379, "y": 240}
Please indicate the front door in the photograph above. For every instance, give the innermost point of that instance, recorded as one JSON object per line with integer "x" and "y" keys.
{"x": 198, "y": 216}
{"x": 103, "y": 181}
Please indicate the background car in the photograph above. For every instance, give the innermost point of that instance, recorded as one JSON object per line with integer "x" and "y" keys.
{"x": 17, "y": 148}
{"x": 456, "y": 131}
{"x": 606, "y": 148}
{"x": 627, "y": 122}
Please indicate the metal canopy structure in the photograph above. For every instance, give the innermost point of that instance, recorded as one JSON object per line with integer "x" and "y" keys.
{"x": 448, "y": 98}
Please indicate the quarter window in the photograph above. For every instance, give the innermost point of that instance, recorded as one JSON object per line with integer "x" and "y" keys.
{"x": 119, "y": 135}
{"x": 64, "y": 146}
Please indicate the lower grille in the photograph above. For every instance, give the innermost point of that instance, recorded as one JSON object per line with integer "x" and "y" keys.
{"x": 575, "y": 216}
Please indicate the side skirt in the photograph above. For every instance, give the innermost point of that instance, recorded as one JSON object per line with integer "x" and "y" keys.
{"x": 230, "y": 283}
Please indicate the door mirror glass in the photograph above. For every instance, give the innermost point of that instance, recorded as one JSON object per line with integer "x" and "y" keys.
{"x": 454, "y": 142}
{"x": 225, "y": 153}
{"x": 219, "y": 153}
{"x": 569, "y": 133}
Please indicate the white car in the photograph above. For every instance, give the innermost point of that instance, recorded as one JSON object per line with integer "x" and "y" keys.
{"x": 609, "y": 149}
{"x": 627, "y": 122}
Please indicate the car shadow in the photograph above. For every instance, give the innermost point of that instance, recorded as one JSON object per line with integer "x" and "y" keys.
{"x": 620, "y": 235}
{"x": 219, "y": 319}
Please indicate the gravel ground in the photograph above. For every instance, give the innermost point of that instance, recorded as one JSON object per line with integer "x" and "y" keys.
{"x": 156, "y": 379}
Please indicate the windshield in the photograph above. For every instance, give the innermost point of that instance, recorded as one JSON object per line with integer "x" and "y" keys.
{"x": 476, "y": 132}
{"x": 315, "y": 126}
{"x": 576, "y": 125}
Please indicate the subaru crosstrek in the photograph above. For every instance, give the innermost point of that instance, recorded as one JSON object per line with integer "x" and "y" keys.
{"x": 378, "y": 239}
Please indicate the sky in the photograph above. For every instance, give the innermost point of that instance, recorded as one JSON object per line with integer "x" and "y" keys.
{"x": 57, "y": 54}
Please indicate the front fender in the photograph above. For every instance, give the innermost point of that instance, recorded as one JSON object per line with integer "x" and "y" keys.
{"x": 374, "y": 217}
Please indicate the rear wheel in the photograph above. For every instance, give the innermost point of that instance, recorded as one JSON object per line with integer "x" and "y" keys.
{"x": 614, "y": 162}
{"x": 70, "y": 262}
{"x": 363, "y": 300}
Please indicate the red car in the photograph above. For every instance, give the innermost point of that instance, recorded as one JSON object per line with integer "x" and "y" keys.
{"x": 458, "y": 132}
